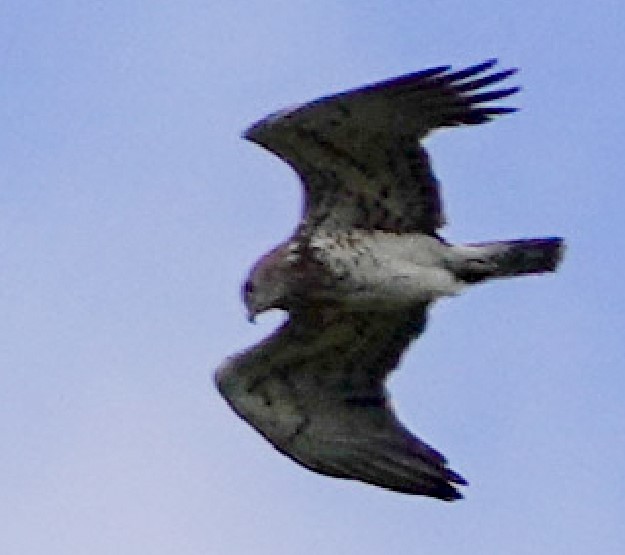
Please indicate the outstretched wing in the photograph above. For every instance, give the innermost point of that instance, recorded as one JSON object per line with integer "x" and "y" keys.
{"x": 358, "y": 152}
{"x": 315, "y": 390}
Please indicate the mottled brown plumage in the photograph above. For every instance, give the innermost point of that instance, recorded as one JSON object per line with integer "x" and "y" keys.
{"x": 359, "y": 272}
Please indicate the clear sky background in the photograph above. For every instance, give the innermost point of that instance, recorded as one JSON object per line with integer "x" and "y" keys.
{"x": 130, "y": 211}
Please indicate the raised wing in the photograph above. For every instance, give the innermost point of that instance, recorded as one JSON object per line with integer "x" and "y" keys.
{"x": 315, "y": 390}
{"x": 358, "y": 152}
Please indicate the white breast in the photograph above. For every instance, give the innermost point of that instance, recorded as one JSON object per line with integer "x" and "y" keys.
{"x": 386, "y": 268}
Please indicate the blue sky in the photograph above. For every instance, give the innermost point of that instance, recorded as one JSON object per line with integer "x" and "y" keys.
{"x": 130, "y": 211}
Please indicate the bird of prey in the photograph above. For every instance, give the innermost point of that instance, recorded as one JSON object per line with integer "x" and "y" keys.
{"x": 360, "y": 271}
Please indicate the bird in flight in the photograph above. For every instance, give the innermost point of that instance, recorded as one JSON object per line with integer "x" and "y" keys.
{"x": 360, "y": 271}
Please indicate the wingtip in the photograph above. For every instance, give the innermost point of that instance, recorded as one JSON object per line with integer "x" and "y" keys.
{"x": 456, "y": 478}
{"x": 511, "y": 71}
{"x": 471, "y": 71}
{"x": 489, "y": 96}
{"x": 488, "y": 63}
{"x": 446, "y": 488}
{"x": 450, "y": 495}
{"x": 446, "y": 491}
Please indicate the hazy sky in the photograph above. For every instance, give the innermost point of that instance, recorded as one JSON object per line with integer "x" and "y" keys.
{"x": 130, "y": 211}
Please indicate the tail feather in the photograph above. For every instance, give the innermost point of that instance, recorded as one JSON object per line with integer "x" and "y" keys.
{"x": 510, "y": 258}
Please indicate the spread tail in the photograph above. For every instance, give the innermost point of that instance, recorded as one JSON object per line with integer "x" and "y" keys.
{"x": 510, "y": 258}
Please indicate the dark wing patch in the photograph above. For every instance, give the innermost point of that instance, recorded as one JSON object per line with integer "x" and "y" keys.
{"x": 358, "y": 152}
{"x": 315, "y": 390}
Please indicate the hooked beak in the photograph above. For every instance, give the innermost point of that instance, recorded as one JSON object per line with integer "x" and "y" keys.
{"x": 254, "y": 131}
{"x": 251, "y": 317}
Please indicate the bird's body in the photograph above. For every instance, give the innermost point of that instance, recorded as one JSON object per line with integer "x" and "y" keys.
{"x": 359, "y": 273}
{"x": 385, "y": 271}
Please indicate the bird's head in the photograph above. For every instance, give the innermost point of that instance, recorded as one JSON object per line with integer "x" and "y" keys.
{"x": 268, "y": 283}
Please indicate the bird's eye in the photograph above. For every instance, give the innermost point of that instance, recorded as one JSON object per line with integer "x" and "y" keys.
{"x": 248, "y": 287}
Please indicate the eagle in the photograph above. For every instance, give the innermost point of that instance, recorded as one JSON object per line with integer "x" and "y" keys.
{"x": 359, "y": 273}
